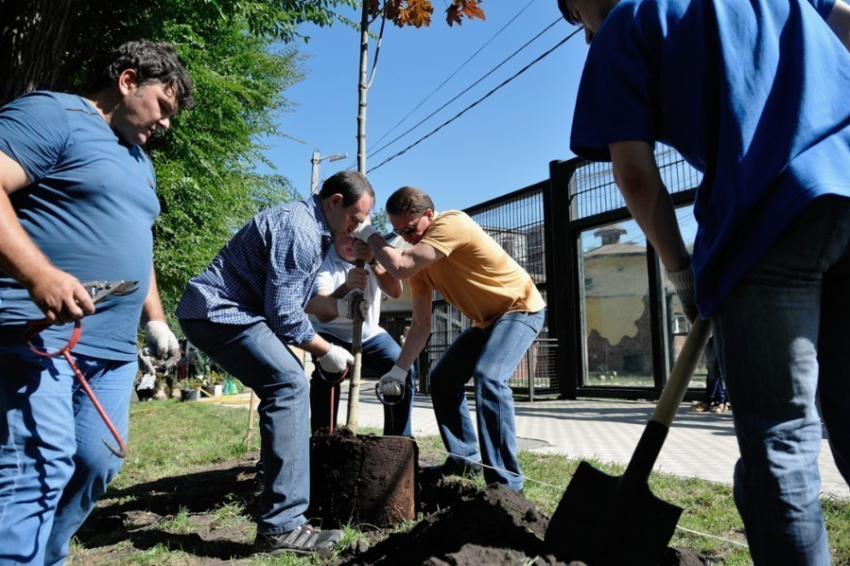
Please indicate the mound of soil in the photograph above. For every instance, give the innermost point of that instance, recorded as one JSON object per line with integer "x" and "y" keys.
{"x": 494, "y": 526}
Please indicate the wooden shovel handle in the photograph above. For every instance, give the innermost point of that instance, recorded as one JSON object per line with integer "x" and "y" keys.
{"x": 680, "y": 376}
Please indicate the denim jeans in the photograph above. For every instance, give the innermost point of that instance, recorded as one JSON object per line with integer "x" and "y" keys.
{"x": 379, "y": 355}
{"x": 489, "y": 356}
{"x": 715, "y": 391}
{"x": 782, "y": 334}
{"x": 53, "y": 465}
{"x": 256, "y": 356}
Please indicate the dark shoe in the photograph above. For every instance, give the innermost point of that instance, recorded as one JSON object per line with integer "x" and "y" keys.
{"x": 450, "y": 468}
{"x": 303, "y": 540}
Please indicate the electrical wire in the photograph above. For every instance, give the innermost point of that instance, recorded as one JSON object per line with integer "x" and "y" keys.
{"x": 467, "y": 89}
{"x": 450, "y": 77}
{"x": 477, "y": 102}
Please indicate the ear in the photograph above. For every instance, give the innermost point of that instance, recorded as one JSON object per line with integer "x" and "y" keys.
{"x": 335, "y": 199}
{"x": 127, "y": 82}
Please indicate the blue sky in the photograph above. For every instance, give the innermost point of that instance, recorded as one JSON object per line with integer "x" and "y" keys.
{"x": 503, "y": 144}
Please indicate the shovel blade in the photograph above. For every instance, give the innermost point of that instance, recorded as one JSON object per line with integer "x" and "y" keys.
{"x": 601, "y": 522}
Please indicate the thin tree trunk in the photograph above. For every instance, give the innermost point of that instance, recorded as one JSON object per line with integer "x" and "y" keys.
{"x": 33, "y": 35}
{"x": 357, "y": 323}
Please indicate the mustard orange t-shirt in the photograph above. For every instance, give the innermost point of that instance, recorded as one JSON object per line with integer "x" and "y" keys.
{"x": 477, "y": 276}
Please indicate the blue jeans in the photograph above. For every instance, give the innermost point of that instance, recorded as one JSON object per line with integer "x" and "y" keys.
{"x": 782, "y": 334}
{"x": 715, "y": 392}
{"x": 256, "y": 357}
{"x": 53, "y": 465}
{"x": 379, "y": 355}
{"x": 489, "y": 356}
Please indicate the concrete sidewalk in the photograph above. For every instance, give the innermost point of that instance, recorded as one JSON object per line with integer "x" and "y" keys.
{"x": 699, "y": 445}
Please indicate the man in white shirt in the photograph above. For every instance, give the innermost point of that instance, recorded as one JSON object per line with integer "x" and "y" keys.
{"x": 337, "y": 277}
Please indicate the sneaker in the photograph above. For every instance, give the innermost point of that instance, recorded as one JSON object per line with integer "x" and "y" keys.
{"x": 451, "y": 468}
{"x": 303, "y": 540}
{"x": 721, "y": 408}
{"x": 700, "y": 407}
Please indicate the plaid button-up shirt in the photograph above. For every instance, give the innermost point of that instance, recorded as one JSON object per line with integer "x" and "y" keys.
{"x": 264, "y": 273}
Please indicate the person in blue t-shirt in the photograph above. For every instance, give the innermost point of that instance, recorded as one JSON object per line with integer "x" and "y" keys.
{"x": 78, "y": 204}
{"x": 753, "y": 93}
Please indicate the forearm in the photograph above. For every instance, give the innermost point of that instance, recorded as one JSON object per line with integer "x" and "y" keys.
{"x": 415, "y": 342}
{"x": 317, "y": 346}
{"x": 323, "y": 307}
{"x": 391, "y": 286}
{"x": 636, "y": 174}
{"x": 152, "y": 307}
{"x": 394, "y": 262}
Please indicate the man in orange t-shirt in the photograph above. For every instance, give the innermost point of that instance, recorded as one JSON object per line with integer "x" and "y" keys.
{"x": 451, "y": 254}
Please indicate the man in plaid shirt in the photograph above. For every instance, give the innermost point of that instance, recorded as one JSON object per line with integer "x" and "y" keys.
{"x": 244, "y": 310}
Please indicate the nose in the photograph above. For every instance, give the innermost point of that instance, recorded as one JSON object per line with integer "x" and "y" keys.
{"x": 588, "y": 35}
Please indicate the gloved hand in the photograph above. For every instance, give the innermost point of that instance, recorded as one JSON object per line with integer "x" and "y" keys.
{"x": 345, "y": 305}
{"x": 336, "y": 359}
{"x": 683, "y": 282}
{"x": 162, "y": 343}
{"x": 393, "y": 384}
{"x": 365, "y": 230}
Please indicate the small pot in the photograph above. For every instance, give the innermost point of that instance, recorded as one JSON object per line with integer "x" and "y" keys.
{"x": 189, "y": 394}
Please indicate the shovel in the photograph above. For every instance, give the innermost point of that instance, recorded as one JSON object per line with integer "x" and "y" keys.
{"x": 605, "y": 520}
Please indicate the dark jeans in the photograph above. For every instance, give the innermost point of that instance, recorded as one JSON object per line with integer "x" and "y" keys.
{"x": 379, "y": 355}
{"x": 488, "y": 356}
{"x": 256, "y": 357}
{"x": 782, "y": 336}
{"x": 715, "y": 392}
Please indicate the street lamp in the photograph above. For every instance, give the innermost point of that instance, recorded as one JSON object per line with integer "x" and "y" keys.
{"x": 314, "y": 177}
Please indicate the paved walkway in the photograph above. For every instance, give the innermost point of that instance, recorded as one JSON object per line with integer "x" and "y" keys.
{"x": 699, "y": 445}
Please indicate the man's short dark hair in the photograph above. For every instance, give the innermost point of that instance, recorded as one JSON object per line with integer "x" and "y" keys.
{"x": 350, "y": 184}
{"x": 409, "y": 200}
{"x": 152, "y": 62}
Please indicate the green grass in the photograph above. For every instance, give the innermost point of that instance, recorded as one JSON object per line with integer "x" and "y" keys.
{"x": 173, "y": 439}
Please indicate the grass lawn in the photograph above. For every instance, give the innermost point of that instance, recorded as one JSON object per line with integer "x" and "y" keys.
{"x": 183, "y": 496}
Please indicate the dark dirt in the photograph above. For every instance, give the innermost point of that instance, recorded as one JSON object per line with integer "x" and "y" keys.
{"x": 463, "y": 526}
{"x": 362, "y": 479}
{"x": 494, "y": 526}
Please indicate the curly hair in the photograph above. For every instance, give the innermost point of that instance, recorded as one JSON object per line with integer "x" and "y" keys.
{"x": 152, "y": 62}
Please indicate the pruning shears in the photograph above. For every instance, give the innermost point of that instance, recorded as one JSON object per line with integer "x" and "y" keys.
{"x": 98, "y": 290}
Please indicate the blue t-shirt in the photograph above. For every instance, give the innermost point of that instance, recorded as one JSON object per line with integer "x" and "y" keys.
{"x": 264, "y": 273}
{"x": 755, "y": 94}
{"x": 89, "y": 209}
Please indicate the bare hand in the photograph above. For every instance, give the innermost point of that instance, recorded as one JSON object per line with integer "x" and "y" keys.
{"x": 356, "y": 278}
{"x": 61, "y": 296}
{"x": 363, "y": 251}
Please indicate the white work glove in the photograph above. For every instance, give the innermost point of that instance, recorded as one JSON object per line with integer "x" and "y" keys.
{"x": 365, "y": 230}
{"x": 163, "y": 343}
{"x": 345, "y": 305}
{"x": 393, "y": 383}
{"x": 336, "y": 359}
{"x": 683, "y": 282}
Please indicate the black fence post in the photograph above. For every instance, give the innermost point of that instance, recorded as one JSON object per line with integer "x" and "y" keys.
{"x": 560, "y": 278}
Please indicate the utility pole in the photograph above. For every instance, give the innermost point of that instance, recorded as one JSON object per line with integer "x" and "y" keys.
{"x": 314, "y": 173}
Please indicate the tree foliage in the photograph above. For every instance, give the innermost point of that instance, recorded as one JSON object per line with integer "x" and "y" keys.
{"x": 241, "y": 59}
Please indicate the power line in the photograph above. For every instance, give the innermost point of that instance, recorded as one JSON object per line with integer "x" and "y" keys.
{"x": 441, "y": 85}
{"x": 467, "y": 89}
{"x": 477, "y": 102}
{"x": 450, "y": 77}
